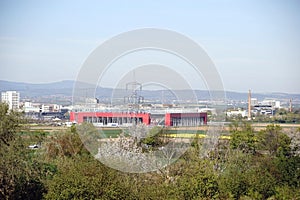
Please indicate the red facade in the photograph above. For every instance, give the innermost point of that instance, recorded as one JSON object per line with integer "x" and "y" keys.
{"x": 185, "y": 119}
{"x": 171, "y": 119}
{"x": 80, "y": 117}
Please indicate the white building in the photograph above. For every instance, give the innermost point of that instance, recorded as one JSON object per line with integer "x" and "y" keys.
{"x": 45, "y": 108}
{"x": 254, "y": 101}
{"x": 231, "y": 113}
{"x": 56, "y": 108}
{"x": 31, "y": 107}
{"x": 37, "y": 107}
{"x": 272, "y": 102}
{"x": 12, "y": 98}
{"x": 277, "y": 104}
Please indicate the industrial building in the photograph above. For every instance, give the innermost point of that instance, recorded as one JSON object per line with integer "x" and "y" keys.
{"x": 132, "y": 118}
{"x": 266, "y": 107}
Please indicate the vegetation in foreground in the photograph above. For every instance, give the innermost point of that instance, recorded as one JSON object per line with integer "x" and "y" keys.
{"x": 252, "y": 165}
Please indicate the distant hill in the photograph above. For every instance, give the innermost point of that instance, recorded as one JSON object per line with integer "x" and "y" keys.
{"x": 33, "y": 90}
{"x": 65, "y": 88}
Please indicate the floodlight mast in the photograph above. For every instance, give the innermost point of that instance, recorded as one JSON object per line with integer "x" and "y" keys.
{"x": 134, "y": 99}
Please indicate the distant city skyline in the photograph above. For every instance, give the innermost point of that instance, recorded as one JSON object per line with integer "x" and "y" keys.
{"x": 254, "y": 44}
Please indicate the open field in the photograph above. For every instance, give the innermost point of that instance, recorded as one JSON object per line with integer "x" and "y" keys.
{"x": 47, "y": 128}
{"x": 199, "y": 130}
{"x": 173, "y": 132}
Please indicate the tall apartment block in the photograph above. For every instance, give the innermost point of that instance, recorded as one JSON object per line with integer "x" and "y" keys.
{"x": 12, "y": 98}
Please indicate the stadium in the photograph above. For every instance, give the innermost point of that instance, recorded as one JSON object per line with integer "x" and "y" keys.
{"x": 113, "y": 119}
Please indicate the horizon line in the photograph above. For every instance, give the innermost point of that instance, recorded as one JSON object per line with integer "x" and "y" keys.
{"x": 108, "y": 87}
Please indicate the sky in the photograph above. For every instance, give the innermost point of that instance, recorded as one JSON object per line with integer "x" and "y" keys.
{"x": 254, "y": 44}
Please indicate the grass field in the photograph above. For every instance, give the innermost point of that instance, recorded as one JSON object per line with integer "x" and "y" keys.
{"x": 179, "y": 132}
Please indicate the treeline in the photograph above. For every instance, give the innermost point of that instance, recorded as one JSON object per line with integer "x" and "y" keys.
{"x": 252, "y": 165}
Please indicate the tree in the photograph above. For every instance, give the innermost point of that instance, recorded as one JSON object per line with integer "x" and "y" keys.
{"x": 10, "y": 124}
{"x": 242, "y": 137}
{"x": 284, "y": 158}
{"x": 64, "y": 144}
{"x": 274, "y": 141}
{"x": 20, "y": 173}
{"x": 154, "y": 137}
{"x": 198, "y": 181}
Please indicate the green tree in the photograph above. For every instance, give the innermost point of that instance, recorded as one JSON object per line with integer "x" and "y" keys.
{"x": 233, "y": 182}
{"x": 198, "y": 180}
{"x": 274, "y": 141}
{"x": 83, "y": 177}
{"x": 10, "y": 124}
{"x": 89, "y": 136}
{"x": 287, "y": 170}
{"x": 153, "y": 138}
{"x": 246, "y": 176}
{"x": 242, "y": 137}
{"x": 21, "y": 174}
{"x": 64, "y": 144}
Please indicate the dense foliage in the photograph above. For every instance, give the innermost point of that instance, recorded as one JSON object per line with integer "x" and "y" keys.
{"x": 251, "y": 165}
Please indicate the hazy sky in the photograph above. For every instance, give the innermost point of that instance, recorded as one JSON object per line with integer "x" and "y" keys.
{"x": 254, "y": 44}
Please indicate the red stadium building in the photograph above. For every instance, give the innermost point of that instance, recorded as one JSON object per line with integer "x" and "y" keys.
{"x": 129, "y": 118}
{"x": 109, "y": 118}
{"x": 185, "y": 119}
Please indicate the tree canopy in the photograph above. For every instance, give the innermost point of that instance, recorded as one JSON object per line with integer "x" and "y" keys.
{"x": 251, "y": 165}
